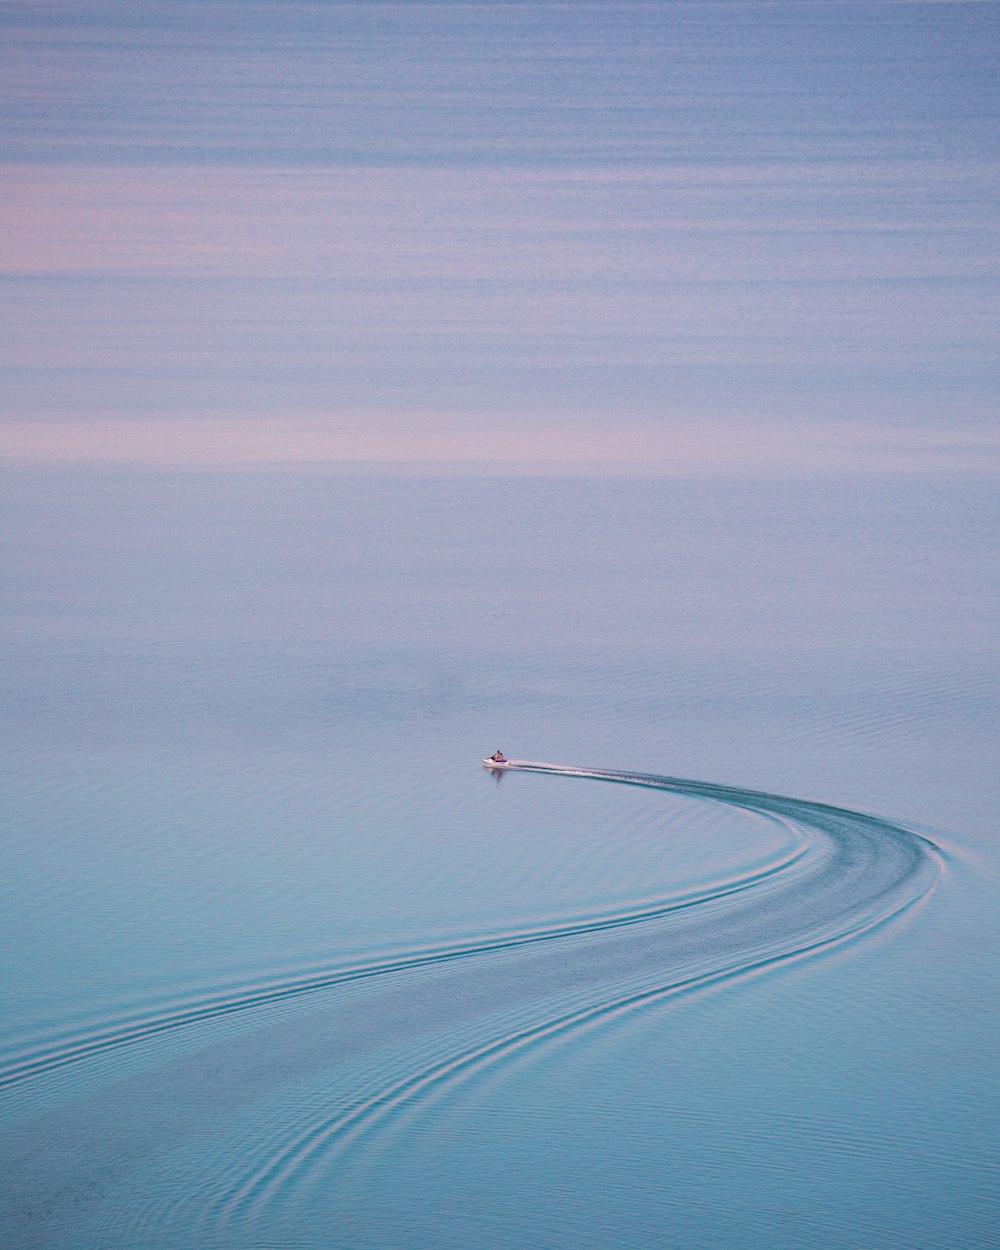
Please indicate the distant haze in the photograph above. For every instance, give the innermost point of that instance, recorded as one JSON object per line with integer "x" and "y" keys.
{"x": 654, "y": 238}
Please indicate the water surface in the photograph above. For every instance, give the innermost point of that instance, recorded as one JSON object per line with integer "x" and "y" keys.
{"x": 290, "y": 968}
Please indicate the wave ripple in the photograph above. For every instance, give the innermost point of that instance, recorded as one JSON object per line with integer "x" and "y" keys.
{"x": 385, "y": 1041}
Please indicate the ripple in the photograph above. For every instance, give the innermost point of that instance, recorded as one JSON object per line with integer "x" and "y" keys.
{"x": 129, "y": 1030}
{"x": 474, "y": 1009}
{"x": 387, "y": 1039}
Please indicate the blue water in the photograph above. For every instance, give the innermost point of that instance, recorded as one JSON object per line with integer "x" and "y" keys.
{"x": 288, "y": 968}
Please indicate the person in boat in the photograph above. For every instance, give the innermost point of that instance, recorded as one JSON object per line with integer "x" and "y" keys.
{"x": 498, "y": 758}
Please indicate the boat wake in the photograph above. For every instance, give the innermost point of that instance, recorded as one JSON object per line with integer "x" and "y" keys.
{"x": 376, "y": 1043}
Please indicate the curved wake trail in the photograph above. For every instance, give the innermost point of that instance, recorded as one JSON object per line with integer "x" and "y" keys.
{"x": 855, "y": 873}
{"x": 85, "y": 1044}
{"x": 408, "y": 1030}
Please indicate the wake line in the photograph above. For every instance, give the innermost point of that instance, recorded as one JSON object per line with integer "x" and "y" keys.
{"x": 912, "y": 873}
{"x": 364, "y": 1118}
{"x": 796, "y": 812}
{"x": 735, "y": 796}
{"x": 130, "y": 1032}
{"x": 368, "y": 1063}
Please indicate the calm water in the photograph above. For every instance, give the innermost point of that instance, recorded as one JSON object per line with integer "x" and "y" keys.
{"x": 287, "y": 968}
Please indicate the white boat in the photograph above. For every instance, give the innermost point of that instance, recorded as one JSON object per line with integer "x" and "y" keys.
{"x": 496, "y": 763}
